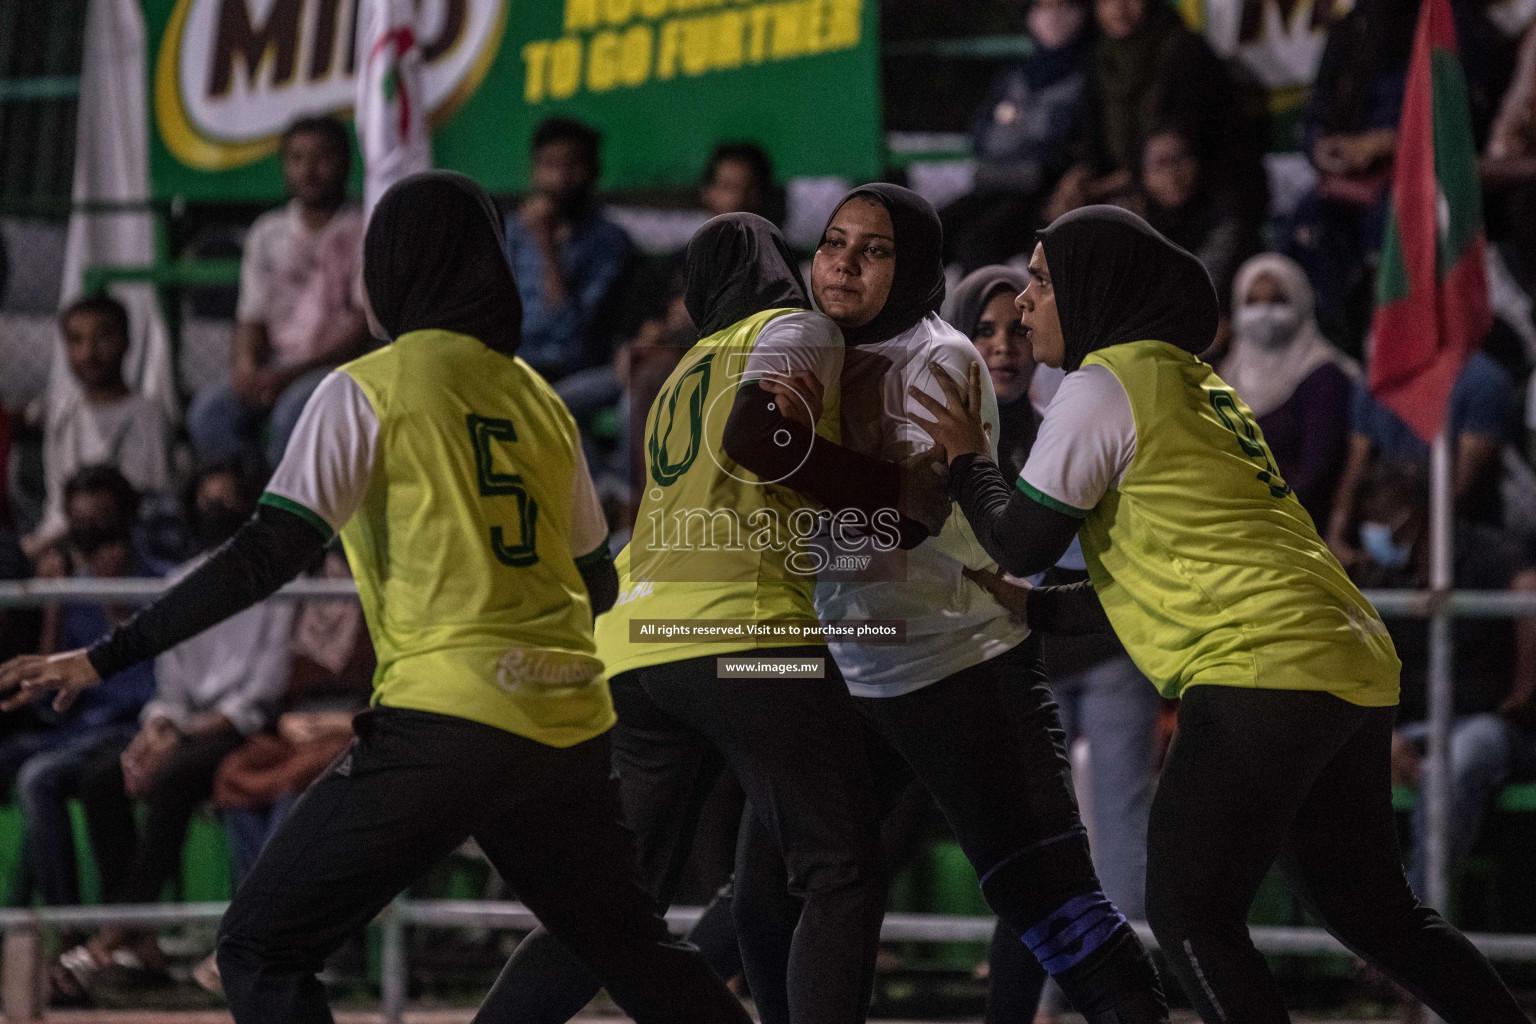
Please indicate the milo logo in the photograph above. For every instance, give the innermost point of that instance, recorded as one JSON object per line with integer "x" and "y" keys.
{"x": 231, "y": 74}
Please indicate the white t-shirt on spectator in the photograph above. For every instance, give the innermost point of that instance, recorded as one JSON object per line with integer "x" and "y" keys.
{"x": 238, "y": 668}
{"x": 298, "y": 282}
{"x": 129, "y": 434}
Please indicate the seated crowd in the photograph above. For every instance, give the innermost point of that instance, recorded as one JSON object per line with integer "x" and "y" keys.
{"x": 1118, "y": 101}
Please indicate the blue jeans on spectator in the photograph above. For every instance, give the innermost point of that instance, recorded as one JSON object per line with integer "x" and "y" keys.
{"x": 221, "y": 425}
{"x": 1487, "y": 753}
{"x": 44, "y": 785}
{"x": 249, "y": 829}
{"x": 1115, "y": 709}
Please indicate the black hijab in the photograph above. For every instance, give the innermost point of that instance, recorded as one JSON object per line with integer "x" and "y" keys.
{"x": 433, "y": 258}
{"x": 738, "y": 264}
{"x": 1117, "y": 280}
{"x": 918, "y": 288}
{"x": 964, "y": 306}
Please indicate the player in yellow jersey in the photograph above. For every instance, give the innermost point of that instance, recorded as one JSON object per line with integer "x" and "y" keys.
{"x": 722, "y": 539}
{"x": 456, "y": 481}
{"x": 1215, "y": 578}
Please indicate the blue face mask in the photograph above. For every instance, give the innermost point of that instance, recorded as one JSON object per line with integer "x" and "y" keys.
{"x": 1376, "y": 538}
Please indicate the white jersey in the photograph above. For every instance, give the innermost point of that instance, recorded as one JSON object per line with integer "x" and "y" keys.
{"x": 951, "y": 623}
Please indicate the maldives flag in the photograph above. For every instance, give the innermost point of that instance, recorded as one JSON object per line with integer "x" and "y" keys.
{"x": 1431, "y": 290}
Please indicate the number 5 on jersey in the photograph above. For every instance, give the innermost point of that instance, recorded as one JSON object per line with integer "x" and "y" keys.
{"x": 482, "y": 431}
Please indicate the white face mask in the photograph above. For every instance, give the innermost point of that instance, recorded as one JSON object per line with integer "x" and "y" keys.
{"x": 1270, "y": 325}
{"x": 1054, "y": 26}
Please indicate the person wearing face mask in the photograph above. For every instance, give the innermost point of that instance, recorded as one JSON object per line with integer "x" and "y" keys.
{"x": 1295, "y": 381}
{"x": 960, "y": 706}
{"x": 1215, "y": 579}
{"x": 211, "y": 692}
{"x": 1022, "y": 135}
{"x": 1493, "y": 738}
{"x": 49, "y": 758}
{"x": 456, "y": 480}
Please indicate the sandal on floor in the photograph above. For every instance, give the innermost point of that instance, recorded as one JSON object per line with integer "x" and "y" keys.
{"x": 128, "y": 970}
{"x": 206, "y": 974}
{"x": 71, "y": 979}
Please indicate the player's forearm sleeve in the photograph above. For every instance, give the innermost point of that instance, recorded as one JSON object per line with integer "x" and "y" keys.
{"x": 1069, "y": 610}
{"x": 601, "y": 578}
{"x": 837, "y": 477}
{"x": 1021, "y": 535}
{"x": 268, "y": 551}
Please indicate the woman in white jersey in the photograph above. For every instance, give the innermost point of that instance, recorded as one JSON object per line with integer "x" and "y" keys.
{"x": 961, "y": 705}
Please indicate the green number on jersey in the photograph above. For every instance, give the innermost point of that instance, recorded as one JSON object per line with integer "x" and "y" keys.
{"x": 1248, "y": 441}
{"x": 694, "y": 386}
{"x": 482, "y": 431}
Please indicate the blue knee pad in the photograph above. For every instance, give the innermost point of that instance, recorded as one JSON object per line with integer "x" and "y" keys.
{"x": 1074, "y": 931}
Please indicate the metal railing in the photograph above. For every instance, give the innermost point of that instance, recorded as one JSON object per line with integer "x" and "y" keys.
{"x": 19, "y": 977}
{"x": 22, "y": 998}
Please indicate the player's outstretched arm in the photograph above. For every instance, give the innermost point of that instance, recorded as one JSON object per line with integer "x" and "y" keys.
{"x": 1022, "y": 535}
{"x": 268, "y": 551}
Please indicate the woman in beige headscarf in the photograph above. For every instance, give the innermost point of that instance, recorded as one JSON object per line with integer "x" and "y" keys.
{"x": 1295, "y": 381}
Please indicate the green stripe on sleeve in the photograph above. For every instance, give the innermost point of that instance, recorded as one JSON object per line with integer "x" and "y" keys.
{"x": 1050, "y": 502}
{"x": 597, "y": 556}
{"x": 308, "y": 515}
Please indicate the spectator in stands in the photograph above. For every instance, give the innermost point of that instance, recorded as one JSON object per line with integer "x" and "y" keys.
{"x": 1511, "y": 148}
{"x": 1297, "y": 383}
{"x": 49, "y": 760}
{"x": 1023, "y": 135}
{"x": 110, "y": 426}
{"x": 1175, "y": 193}
{"x": 1493, "y": 740}
{"x": 18, "y": 626}
{"x": 981, "y": 307}
{"x": 299, "y": 314}
{"x": 211, "y": 692}
{"x": 739, "y": 179}
{"x": 569, "y": 260}
{"x": 1148, "y": 70}
{"x": 1483, "y": 416}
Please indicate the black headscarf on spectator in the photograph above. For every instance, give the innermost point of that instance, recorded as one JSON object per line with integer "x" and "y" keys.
{"x": 918, "y": 288}
{"x": 434, "y": 257}
{"x": 971, "y": 296}
{"x": 1117, "y": 280}
{"x": 738, "y": 264}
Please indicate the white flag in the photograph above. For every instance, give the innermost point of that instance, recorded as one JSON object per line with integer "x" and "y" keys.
{"x": 391, "y": 103}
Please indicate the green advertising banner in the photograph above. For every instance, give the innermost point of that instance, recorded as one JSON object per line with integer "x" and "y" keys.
{"x": 664, "y": 80}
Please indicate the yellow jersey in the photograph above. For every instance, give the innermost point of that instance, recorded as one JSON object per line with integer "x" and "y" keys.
{"x": 1210, "y": 570}
{"x": 712, "y": 541}
{"x": 455, "y": 477}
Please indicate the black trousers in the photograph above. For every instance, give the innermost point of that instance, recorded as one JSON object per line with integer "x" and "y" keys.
{"x": 1259, "y": 775}
{"x": 134, "y": 868}
{"x": 987, "y": 743}
{"x": 410, "y": 790}
{"x": 796, "y": 748}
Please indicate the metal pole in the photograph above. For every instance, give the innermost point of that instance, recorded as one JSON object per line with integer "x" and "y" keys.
{"x": 1437, "y": 766}
{"x": 392, "y": 968}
